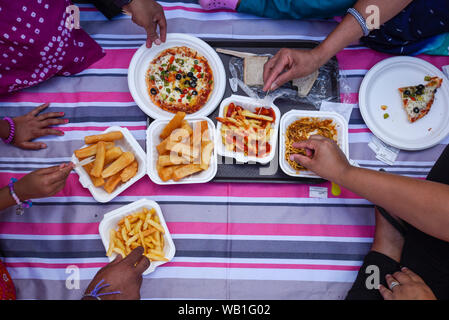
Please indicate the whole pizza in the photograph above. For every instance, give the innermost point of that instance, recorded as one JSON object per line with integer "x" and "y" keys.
{"x": 179, "y": 79}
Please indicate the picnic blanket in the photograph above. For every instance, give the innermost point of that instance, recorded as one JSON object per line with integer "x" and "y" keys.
{"x": 233, "y": 241}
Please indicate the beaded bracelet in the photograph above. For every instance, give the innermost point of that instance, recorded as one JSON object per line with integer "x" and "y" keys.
{"x": 360, "y": 20}
{"x": 12, "y": 130}
{"x": 95, "y": 292}
{"x": 20, "y": 205}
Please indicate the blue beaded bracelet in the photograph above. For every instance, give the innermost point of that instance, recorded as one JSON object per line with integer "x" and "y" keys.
{"x": 360, "y": 20}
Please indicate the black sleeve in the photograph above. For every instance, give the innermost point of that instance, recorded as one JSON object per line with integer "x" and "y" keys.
{"x": 107, "y": 7}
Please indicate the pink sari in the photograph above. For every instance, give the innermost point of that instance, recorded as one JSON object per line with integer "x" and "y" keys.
{"x": 36, "y": 44}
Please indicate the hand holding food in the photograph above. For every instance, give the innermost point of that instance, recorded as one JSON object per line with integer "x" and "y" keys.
{"x": 112, "y": 166}
{"x": 34, "y": 125}
{"x": 123, "y": 277}
{"x": 289, "y": 64}
{"x": 323, "y": 157}
{"x": 43, "y": 183}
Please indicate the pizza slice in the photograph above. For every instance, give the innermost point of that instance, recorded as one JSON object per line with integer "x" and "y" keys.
{"x": 417, "y": 100}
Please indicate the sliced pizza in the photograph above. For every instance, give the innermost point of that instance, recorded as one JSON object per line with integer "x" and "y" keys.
{"x": 179, "y": 79}
{"x": 417, "y": 100}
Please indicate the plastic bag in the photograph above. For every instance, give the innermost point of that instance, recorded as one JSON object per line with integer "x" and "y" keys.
{"x": 319, "y": 92}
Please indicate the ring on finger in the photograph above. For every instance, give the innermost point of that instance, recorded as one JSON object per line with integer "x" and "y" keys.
{"x": 394, "y": 284}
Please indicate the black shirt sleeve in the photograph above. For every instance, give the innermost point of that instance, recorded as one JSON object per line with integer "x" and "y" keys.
{"x": 107, "y": 7}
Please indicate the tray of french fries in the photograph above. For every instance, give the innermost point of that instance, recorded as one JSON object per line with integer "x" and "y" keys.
{"x": 118, "y": 162}
{"x": 181, "y": 151}
{"x": 138, "y": 224}
{"x": 247, "y": 129}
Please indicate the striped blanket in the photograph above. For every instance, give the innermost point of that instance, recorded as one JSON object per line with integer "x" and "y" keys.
{"x": 233, "y": 241}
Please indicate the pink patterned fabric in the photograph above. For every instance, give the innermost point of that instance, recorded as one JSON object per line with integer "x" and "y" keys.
{"x": 7, "y": 289}
{"x": 35, "y": 43}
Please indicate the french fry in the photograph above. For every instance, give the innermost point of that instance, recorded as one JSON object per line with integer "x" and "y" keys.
{"x": 123, "y": 161}
{"x": 91, "y": 150}
{"x": 141, "y": 228}
{"x": 130, "y": 171}
{"x": 186, "y": 126}
{"x": 112, "y": 182}
{"x": 99, "y": 160}
{"x": 196, "y": 143}
{"x": 166, "y": 173}
{"x": 98, "y": 182}
{"x": 174, "y": 123}
{"x": 112, "y": 154}
{"x": 110, "y": 136}
{"x": 206, "y": 154}
{"x": 171, "y": 160}
{"x": 185, "y": 170}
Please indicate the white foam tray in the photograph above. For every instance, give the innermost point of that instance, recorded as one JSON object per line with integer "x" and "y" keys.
{"x": 293, "y": 115}
{"x": 128, "y": 143}
{"x": 249, "y": 104}
{"x": 111, "y": 219}
{"x": 153, "y": 140}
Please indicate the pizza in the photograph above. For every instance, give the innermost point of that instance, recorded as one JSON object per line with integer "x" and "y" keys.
{"x": 179, "y": 79}
{"x": 417, "y": 100}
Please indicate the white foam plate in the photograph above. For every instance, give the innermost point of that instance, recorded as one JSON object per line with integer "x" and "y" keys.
{"x": 142, "y": 59}
{"x": 111, "y": 219}
{"x": 249, "y": 104}
{"x": 153, "y": 139}
{"x": 380, "y": 87}
{"x": 293, "y": 115}
{"x": 128, "y": 143}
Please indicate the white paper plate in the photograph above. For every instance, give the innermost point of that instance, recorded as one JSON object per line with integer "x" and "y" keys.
{"x": 293, "y": 115}
{"x": 153, "y": 140}
{"x": 128, "y": 143}
{"x": 249, "y": 104}
{"x": 380, "y": 87}
{"x": 111, "y": 219}
{"x": 142, "y": 59}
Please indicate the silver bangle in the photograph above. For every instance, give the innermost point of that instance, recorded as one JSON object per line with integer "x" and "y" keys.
{"x": 360, "y": 20}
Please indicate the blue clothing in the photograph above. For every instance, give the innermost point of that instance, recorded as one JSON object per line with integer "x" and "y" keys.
{"x": 422, "y": 27}
{"x": 295, "y": 9}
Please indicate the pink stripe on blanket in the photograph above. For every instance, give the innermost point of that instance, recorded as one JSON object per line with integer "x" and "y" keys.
{"x": 365, "y": 59}
{"x": 267, "y": 229}
{"x": 68, "y": 97}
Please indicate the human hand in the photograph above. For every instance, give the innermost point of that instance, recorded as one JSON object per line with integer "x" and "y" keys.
{"x": 411, "y": 287}
{"x": 32, "y": 126}
{"x": 149, "y": 14}
{"x": 289, "y": 64}
{"x": 43, "y": 183}
{"x": 123, "y": 275}
{"x": 323, "y": 157}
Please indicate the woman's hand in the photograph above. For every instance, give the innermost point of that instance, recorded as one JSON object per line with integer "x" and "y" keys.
{"x": 411, "y": 287}
{"x": 43, "y": 183}
{"x": 289, "y": 64}
{"x": 124, "y": 275}
{"x": 149, "y": 14}
{"x": 323, "y": 157}
{"x": 32, "y": 126}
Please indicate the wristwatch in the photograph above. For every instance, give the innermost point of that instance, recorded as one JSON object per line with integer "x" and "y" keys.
{"x": 121, "y": 3}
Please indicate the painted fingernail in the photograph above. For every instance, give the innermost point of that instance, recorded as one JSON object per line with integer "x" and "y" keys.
{"x": 61, "y": 113}
{"x": 66, "y": 120}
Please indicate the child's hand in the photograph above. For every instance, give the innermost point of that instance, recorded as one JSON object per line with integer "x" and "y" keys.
{"x": 32, "y": 126}
{"x": 43, "y": 183}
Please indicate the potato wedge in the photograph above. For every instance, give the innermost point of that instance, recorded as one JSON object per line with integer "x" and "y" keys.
{"x": 110, "y": 136}
{"x": 91, "y": 150}
{"x": 99, "y": 160}
{"x": 118, "y": 165}
{"x": 207, "y": 148}
{"x": 112, "y": 182}
{"x": 185, "y": 170}
{"x": 112, "y": 154}
{"x": 174, "y": 123}
{"x": 130, "y": 171}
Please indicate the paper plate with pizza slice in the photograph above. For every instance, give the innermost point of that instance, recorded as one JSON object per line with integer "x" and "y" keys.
{"x": 404, "y": 101}
{"x": 183, "y": 74}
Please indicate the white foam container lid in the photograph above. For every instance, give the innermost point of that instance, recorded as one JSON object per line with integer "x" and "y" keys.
{"x": 251, "y": 105}
{"x": 111, "y": 219}
{"x": 153, "y": 139}
{"x": 128, "y": 143}
{"x": 293, "y": 115}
